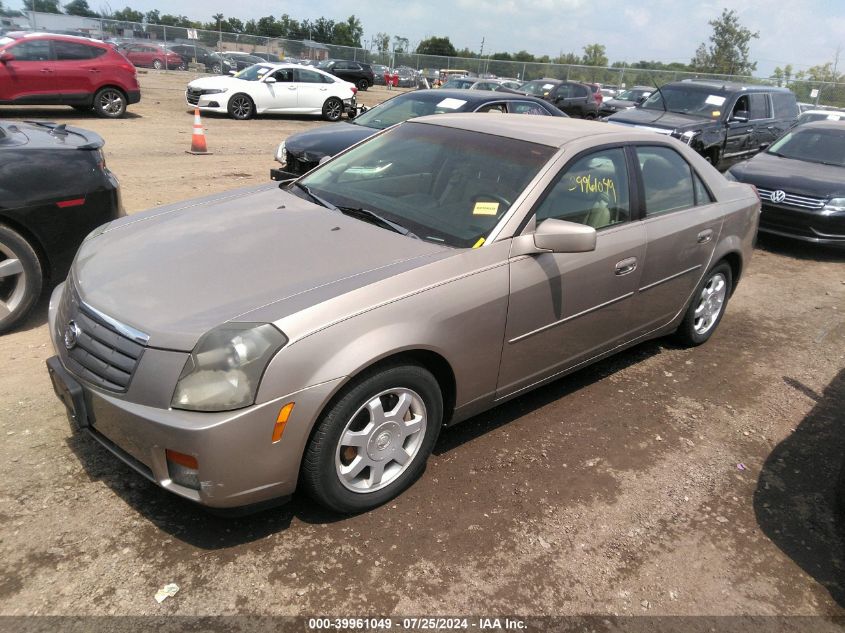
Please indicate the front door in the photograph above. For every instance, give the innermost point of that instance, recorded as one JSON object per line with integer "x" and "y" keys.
{"x": 31, "y": 75}
{"x": 281, "y": 95}
{"x": 566, "y": 308}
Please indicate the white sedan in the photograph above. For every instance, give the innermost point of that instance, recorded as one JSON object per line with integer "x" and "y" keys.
{"x": 275, "y": 88}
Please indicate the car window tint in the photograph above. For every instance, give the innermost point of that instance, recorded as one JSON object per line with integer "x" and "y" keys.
{"x": 492, "y": 107}
{"x": 37, "y": 51}
{"x": 759, "y": 106}
{"x": 591, "y": 191}
{"x": 785, "y": 105}
{"x": 580, "y": 91}
{"x": 284, "y": 75}
{"x": 71, "y": 50}
{"x": 97, "y": 52}
{"x": 702, "y": 195}
{"x": 667, "y": 179}
{"x": 563, "y": 91}
{"x": 310, "y": 77}
{"x": 526, "y": 107}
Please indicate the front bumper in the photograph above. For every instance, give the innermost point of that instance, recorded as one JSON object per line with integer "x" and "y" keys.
{"x": 807, "y": 226}
{"x": 238, "y": 463}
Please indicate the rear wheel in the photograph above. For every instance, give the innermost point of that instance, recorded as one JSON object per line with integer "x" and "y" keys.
{"x": 217, "y": 69}
{"x": 20, "y": 278}
{"x": 241, "y": 107}
{"x": 157, "y": 64}
{"x": 374, "y": 441}
{"x": 363, "y": 84}
{"x": 110, "y": 103}
{"x": 707, "y": 307}
{"x": 332, "y": 109}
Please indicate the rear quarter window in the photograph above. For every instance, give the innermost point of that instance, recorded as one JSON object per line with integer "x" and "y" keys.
{"x": 785, "y": 105}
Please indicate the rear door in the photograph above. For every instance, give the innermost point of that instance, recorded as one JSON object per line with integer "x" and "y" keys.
{"x": 77, "y": 69}
{"x": 30, "y": 76}
{"x": 682, "y": 225}
{"x": 313, "y": 89}
{"x": 566, "y": 308}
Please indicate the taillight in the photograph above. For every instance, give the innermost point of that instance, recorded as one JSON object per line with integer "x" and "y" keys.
{"x": 354, "y": 90}
{"x": 599, "y": 97}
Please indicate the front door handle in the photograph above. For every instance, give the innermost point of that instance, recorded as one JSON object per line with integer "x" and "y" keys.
{"x": 705, "y": 236}
{"x": 626, "y": 266}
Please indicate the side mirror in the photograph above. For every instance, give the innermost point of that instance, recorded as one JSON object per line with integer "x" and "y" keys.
{"x": 560, "y": 236}
{"x": 6, "y": 56}
{"x": 270, "y": 80}
{"x": 740, "y": 116}
{"x": 233, "y": 72}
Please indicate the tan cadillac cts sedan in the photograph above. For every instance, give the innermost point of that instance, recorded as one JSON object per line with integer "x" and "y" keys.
{"x": 320, "y": 333}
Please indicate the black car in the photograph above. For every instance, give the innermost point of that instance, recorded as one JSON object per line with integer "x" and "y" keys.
{"x": 625, "y": 100}
{"x": 801, "y": 182}
{"x": 575, "y": 99}
{"x": 268, "y": 57}
{"x": 724, "y": 122}
{"x": 241, "y": 61}
{"x": 54, "y": 190}
{"x": 302, "y": 152}
{"x": 357, "y": 73}
{"x": 213, "y": 62}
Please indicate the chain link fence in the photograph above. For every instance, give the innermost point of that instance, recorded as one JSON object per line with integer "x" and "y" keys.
{"x": 827, "y": 93}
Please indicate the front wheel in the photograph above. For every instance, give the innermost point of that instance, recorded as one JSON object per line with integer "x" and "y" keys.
{"x": 241, "y": 107}
{"x": 707, "y": 307}
{"x": 375, "y": 440}
{"x": 110, "y": 103}
{"x": 217, "y": 69}
{"x": 157, "y": 64}
{"x": 20, "y": 278}
{"x": 332, "y": 109}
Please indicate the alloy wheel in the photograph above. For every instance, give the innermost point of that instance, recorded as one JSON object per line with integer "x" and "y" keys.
{"x": 111, "y": 102}
{"x": 711, "y": 301}
{"x": 12, "y": 281}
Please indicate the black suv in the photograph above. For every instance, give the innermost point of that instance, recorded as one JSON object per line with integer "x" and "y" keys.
{"x": 575, "y": 99}
{"x": 358, "y": 73}
{"x": 213, "y": 62}
{"x": 724, "y": 122}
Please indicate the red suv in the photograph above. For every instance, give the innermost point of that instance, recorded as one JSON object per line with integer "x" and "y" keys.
{"x": 46, "y": 69}
{"x": 150, "y": 56}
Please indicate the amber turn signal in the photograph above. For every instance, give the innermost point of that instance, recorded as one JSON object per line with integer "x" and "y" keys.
{"x": 281, "y": 421}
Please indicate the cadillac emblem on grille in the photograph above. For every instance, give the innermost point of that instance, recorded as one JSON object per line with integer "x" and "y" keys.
{"x": 72, "y": 333}
{"x": 778, "y": 196}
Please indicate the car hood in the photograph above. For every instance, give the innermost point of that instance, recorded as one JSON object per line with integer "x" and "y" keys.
{"x": 794, "y": 176}
{"x": 220, "y": 81}
{"x": 658, "y": 119}
{"x": 327, "y": 140}
{"x": 618, "y": 104}
{"x": 176, "y": 272}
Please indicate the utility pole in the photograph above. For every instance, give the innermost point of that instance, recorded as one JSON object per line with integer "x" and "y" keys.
{"x": 481, "y": 54}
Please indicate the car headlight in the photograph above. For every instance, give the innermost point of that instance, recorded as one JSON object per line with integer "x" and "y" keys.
{"x": 834, "y": 205}
{"x": 225, "y": 368}
{"x": 214, "y": 91}
{"x": 281, "y": 156}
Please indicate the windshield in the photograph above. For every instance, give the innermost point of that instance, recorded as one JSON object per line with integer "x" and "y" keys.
{"x": 817, "y": 145}
{"x": 707, "y": 104}
{"x": 253, "y": 73}
{"x": 408, "y": 106}
{"x": 444, "y": 184}
{"x": 537, "y": 88}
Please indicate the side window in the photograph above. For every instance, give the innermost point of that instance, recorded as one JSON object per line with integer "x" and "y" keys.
{"x": 492, "y": 107}
{"x": 741, "y": 105}
{"x": 593, "y": 191}
{"x": 97, "y": 51}
{"x": 71, "y": 50}
{"x": 702, "y": 195}
{"x": 580, "y": 91}
{"x": 526, "y": 107}
{"x": 284, "y": 75}
{"x": 785, "y": 105}
{"x": 564, "y": 91}
{"x": 667, "y": 180}
{"x": 309, "y": 77}
{"x": 759, "y": 108}
{"x": 37, "y": 51}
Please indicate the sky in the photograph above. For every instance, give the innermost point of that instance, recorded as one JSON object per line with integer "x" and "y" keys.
{"x": 803, "y": 33}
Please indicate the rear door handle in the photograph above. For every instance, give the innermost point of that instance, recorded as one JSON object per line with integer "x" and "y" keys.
{"x": 705, "y": 236}
{"x": 626, "y": 266}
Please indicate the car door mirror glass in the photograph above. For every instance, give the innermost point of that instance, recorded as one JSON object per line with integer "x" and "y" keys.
{"x": 560, "y": 236}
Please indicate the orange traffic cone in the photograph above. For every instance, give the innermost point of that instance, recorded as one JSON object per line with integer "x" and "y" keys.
{"x": 198, "y": 145}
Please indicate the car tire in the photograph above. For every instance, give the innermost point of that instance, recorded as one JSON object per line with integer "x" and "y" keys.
{"x": 707, "y": 306}
{"x": 332, "y": 109}
{"x": 350, "y": 464}
{"x": 21, "y": 278}
{"x": 362, "y": 84}
{"x": 217, "y": 69}
{"x": 110, "y": 103}
{"x": 157, "y": 64}
{"x": 241, "y": 107}
{"x": 351, "y": 114}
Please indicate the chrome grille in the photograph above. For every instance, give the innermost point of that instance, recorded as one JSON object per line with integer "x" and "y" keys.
{"x": 193, "y": 96}
{"x": 793, "y": 200}
{"x": 106, "y": 353}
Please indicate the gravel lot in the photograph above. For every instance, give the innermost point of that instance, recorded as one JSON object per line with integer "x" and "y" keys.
{"x": 662, "y": 481}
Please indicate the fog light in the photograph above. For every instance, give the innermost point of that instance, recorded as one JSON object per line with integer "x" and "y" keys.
{"x": 183, "y": 469}
{"x": 213, "y": 104}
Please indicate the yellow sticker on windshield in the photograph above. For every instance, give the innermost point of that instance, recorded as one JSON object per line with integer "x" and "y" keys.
{"x": 478, "y": 243}
{"x": 485, "y": 208}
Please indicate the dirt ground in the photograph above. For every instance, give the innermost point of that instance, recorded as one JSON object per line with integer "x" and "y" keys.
{"x": 661, "y": 481}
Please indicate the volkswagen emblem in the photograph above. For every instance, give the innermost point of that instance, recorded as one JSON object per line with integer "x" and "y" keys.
{"x": 72, "y": 333}
{"x": 778, "y": 196}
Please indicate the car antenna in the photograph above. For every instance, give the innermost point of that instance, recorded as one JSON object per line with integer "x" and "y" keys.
{"x": 660, "y": 92}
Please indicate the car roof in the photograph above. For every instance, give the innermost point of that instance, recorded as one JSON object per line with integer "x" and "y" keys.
{"x": 18, "y": 35}
{"x": 476, "y": 96}
{"x": 550, "y": 131}
{"x": 727, "y": 86}
{"x": 819, "y": 125}
{"x": 838, "y": 113}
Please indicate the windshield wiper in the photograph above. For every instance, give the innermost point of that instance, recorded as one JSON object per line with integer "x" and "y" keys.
{"x": 375, "y": 218}
{"x": 316, "y": 198}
